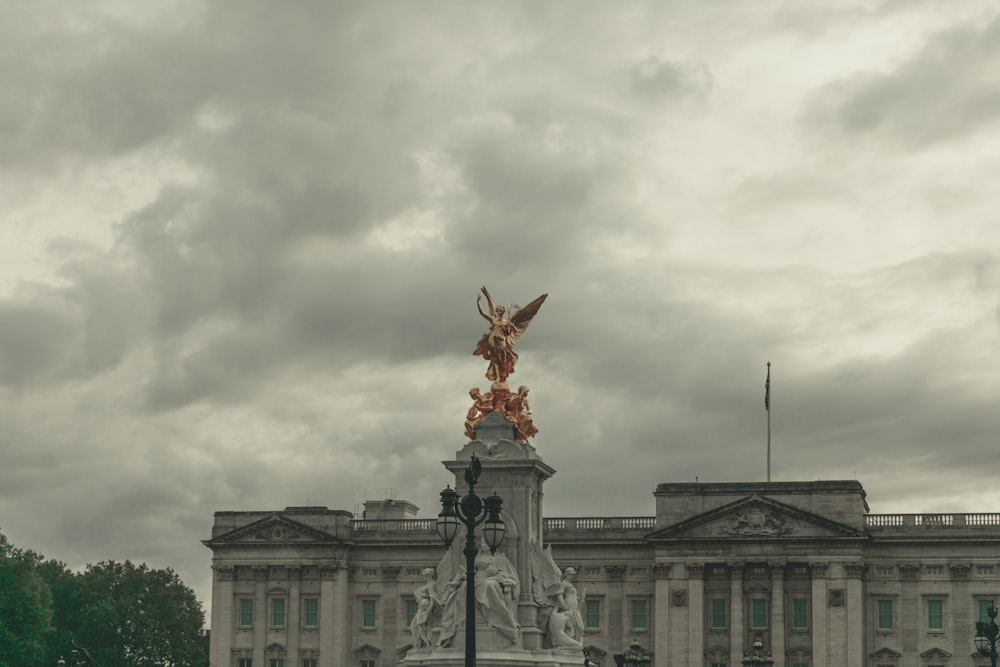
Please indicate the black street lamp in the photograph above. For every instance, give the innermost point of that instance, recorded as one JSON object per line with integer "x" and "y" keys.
{"x": 986, "y": 636}
{"x": 756, "y": 659}
{"x": 635, "y": 656}
{"x": 469, "y": 510}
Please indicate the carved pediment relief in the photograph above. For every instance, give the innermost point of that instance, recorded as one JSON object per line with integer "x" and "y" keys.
{"x": 885, "y": 653}
{"x": 273, "y": 530}
{"x": 935, "y": 654}
{"x": 367, "y": 651}
{"x": 756, "y": 517}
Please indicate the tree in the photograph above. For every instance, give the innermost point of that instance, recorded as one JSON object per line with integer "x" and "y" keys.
{"x": 25, "y": 608}
{"x": 133, "y": 616}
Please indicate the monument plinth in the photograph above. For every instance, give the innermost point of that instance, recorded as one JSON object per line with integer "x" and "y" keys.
{"x": 520, "y": 578}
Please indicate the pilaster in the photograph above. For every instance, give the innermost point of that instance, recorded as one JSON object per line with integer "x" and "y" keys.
{"x": 293, "y": 616}
{"x": 777, "y": 645}
{"x": 259, "y": 613}
{"x": 222, "y": 614}
{"x": 819, "y": 609}
{"x": 736, "y": 624}
{"x": 854, "y": 573}
{"x": 696, "y": 612}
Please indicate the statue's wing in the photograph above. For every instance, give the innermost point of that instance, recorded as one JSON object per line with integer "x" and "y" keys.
{"x": 544, "y": 573}
{"x": 522, "y": 318}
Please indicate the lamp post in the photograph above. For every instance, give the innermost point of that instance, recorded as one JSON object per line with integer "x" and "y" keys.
{"x": 635, "y": 656}
{"x": 470, "y": 511}
{"x": 756, "y": 659}
{"x": 986, "y": 636}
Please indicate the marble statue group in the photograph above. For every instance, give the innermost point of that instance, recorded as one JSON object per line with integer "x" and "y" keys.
{"x": 441, "y": 598}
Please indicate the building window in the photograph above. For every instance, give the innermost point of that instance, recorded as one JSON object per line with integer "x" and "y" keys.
{"x": 310, "y": 612}
{"x": 308, "y": 662}
{"x": 246, "y": 611}
{"x": 718, "y": 614}
{"x": 718, "y": 664}
{"x": 800, "y": 613}
{"x": 800, "y": 664}
{"x": 278, "y": 613}
{"x": 758, "y": 614}
{"x": 367, "y": 663}
{"x": 984, "y": 570}
{"x": 276, "y": 662}
{"x": 935, "y": 615}
{"x": 936, "y": 570}
{"x": 410, "y": 606}
{"x": 639, "y": 618}
{"x": 984, "y": 606}
{"x": 369, "y": 571}
{"x": 244, "y": 662}
{"x": 885, "y": 571}
{"x": 592, "y": 620}
{"x": 884, "y": 615}
{"x": 368, "y": 613}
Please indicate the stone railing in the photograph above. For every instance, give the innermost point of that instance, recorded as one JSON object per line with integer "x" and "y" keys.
{"x": 601, "y": 523}
{"x": 931, "y": 520}
{"x": 369, "y": 526}
{"x": 392, "y": 525}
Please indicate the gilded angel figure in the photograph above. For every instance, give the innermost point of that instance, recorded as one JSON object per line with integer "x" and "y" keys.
{"x": 506, "y": 326}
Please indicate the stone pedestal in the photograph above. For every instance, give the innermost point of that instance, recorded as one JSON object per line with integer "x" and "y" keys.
{"x": 513, "y": 471}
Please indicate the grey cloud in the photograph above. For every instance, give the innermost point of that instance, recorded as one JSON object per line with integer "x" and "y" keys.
{"x": 656, "y": 77}
{"x": 946, "y": 91}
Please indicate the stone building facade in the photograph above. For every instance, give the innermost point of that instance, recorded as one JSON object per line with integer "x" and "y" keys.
{"x": 802, "y": 567}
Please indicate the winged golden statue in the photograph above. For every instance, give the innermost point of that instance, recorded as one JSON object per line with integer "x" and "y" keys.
{"x": 506, "y": 326}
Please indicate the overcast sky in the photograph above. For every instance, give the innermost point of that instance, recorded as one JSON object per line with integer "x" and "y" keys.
{"x": 241, "y": 242}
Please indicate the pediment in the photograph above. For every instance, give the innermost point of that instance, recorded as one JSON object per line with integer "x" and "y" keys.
{"x": 756, "y": 517}
{"x": 935, "y": 654}
{"x": 367, "y": 651}
{"x": 273, "y": 530}
{"x": 885, "y": 653}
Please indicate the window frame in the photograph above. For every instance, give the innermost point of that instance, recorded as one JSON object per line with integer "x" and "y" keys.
{"x": 756, "y": 614}
{"x": 365, "y": 603}
{"x": 797, "y": 614}
{"x": 930, "y": 616}
{"x": 306, "y": 602}
{"x": 245, "y": 609}
{"x": 595, "y": 605}
{"x": 278, "y": 611}
{"x": 880, "y": 615}
{"x": 644, "y": 615}
{"x": 714, "y": 614}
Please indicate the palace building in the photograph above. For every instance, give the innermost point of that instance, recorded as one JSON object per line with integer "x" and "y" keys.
{"x": 800, "y": 574}
{"x": 802, "y": 568}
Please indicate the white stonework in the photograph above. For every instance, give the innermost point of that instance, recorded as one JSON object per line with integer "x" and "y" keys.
{"x": 801, "y": 566}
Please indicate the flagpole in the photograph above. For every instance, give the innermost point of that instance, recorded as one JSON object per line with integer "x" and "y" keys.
{"x": 767, "y": 407}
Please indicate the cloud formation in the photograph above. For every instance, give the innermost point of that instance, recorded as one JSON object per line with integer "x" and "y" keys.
{"x": 243, "y": 247}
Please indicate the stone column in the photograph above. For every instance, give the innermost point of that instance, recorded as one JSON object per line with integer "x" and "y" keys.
{"x": 259, "y": 613}
{"x": 222, "y": 614}
{"x": 777, "y": 644}
{"x": 855, "y": 614}
{"x": 661, "y": 615}
{"x": 737, "y": 629}
{"x": 680, "y": 651}
{"x": 293, "y": 616}
{"x": 696, "y": 613}
{"x": 616, "y": 602}
{"x": 332, "y": 624}
{"x": 819, "y": 607}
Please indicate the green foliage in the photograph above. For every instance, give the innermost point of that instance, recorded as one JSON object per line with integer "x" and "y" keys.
{"x": 124, "y": 615}
{"x": 25, "y": 608}
{"x": 132, "y": 616}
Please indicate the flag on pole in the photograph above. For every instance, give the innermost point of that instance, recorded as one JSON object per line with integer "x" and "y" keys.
{"x": 767, "y": 389}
